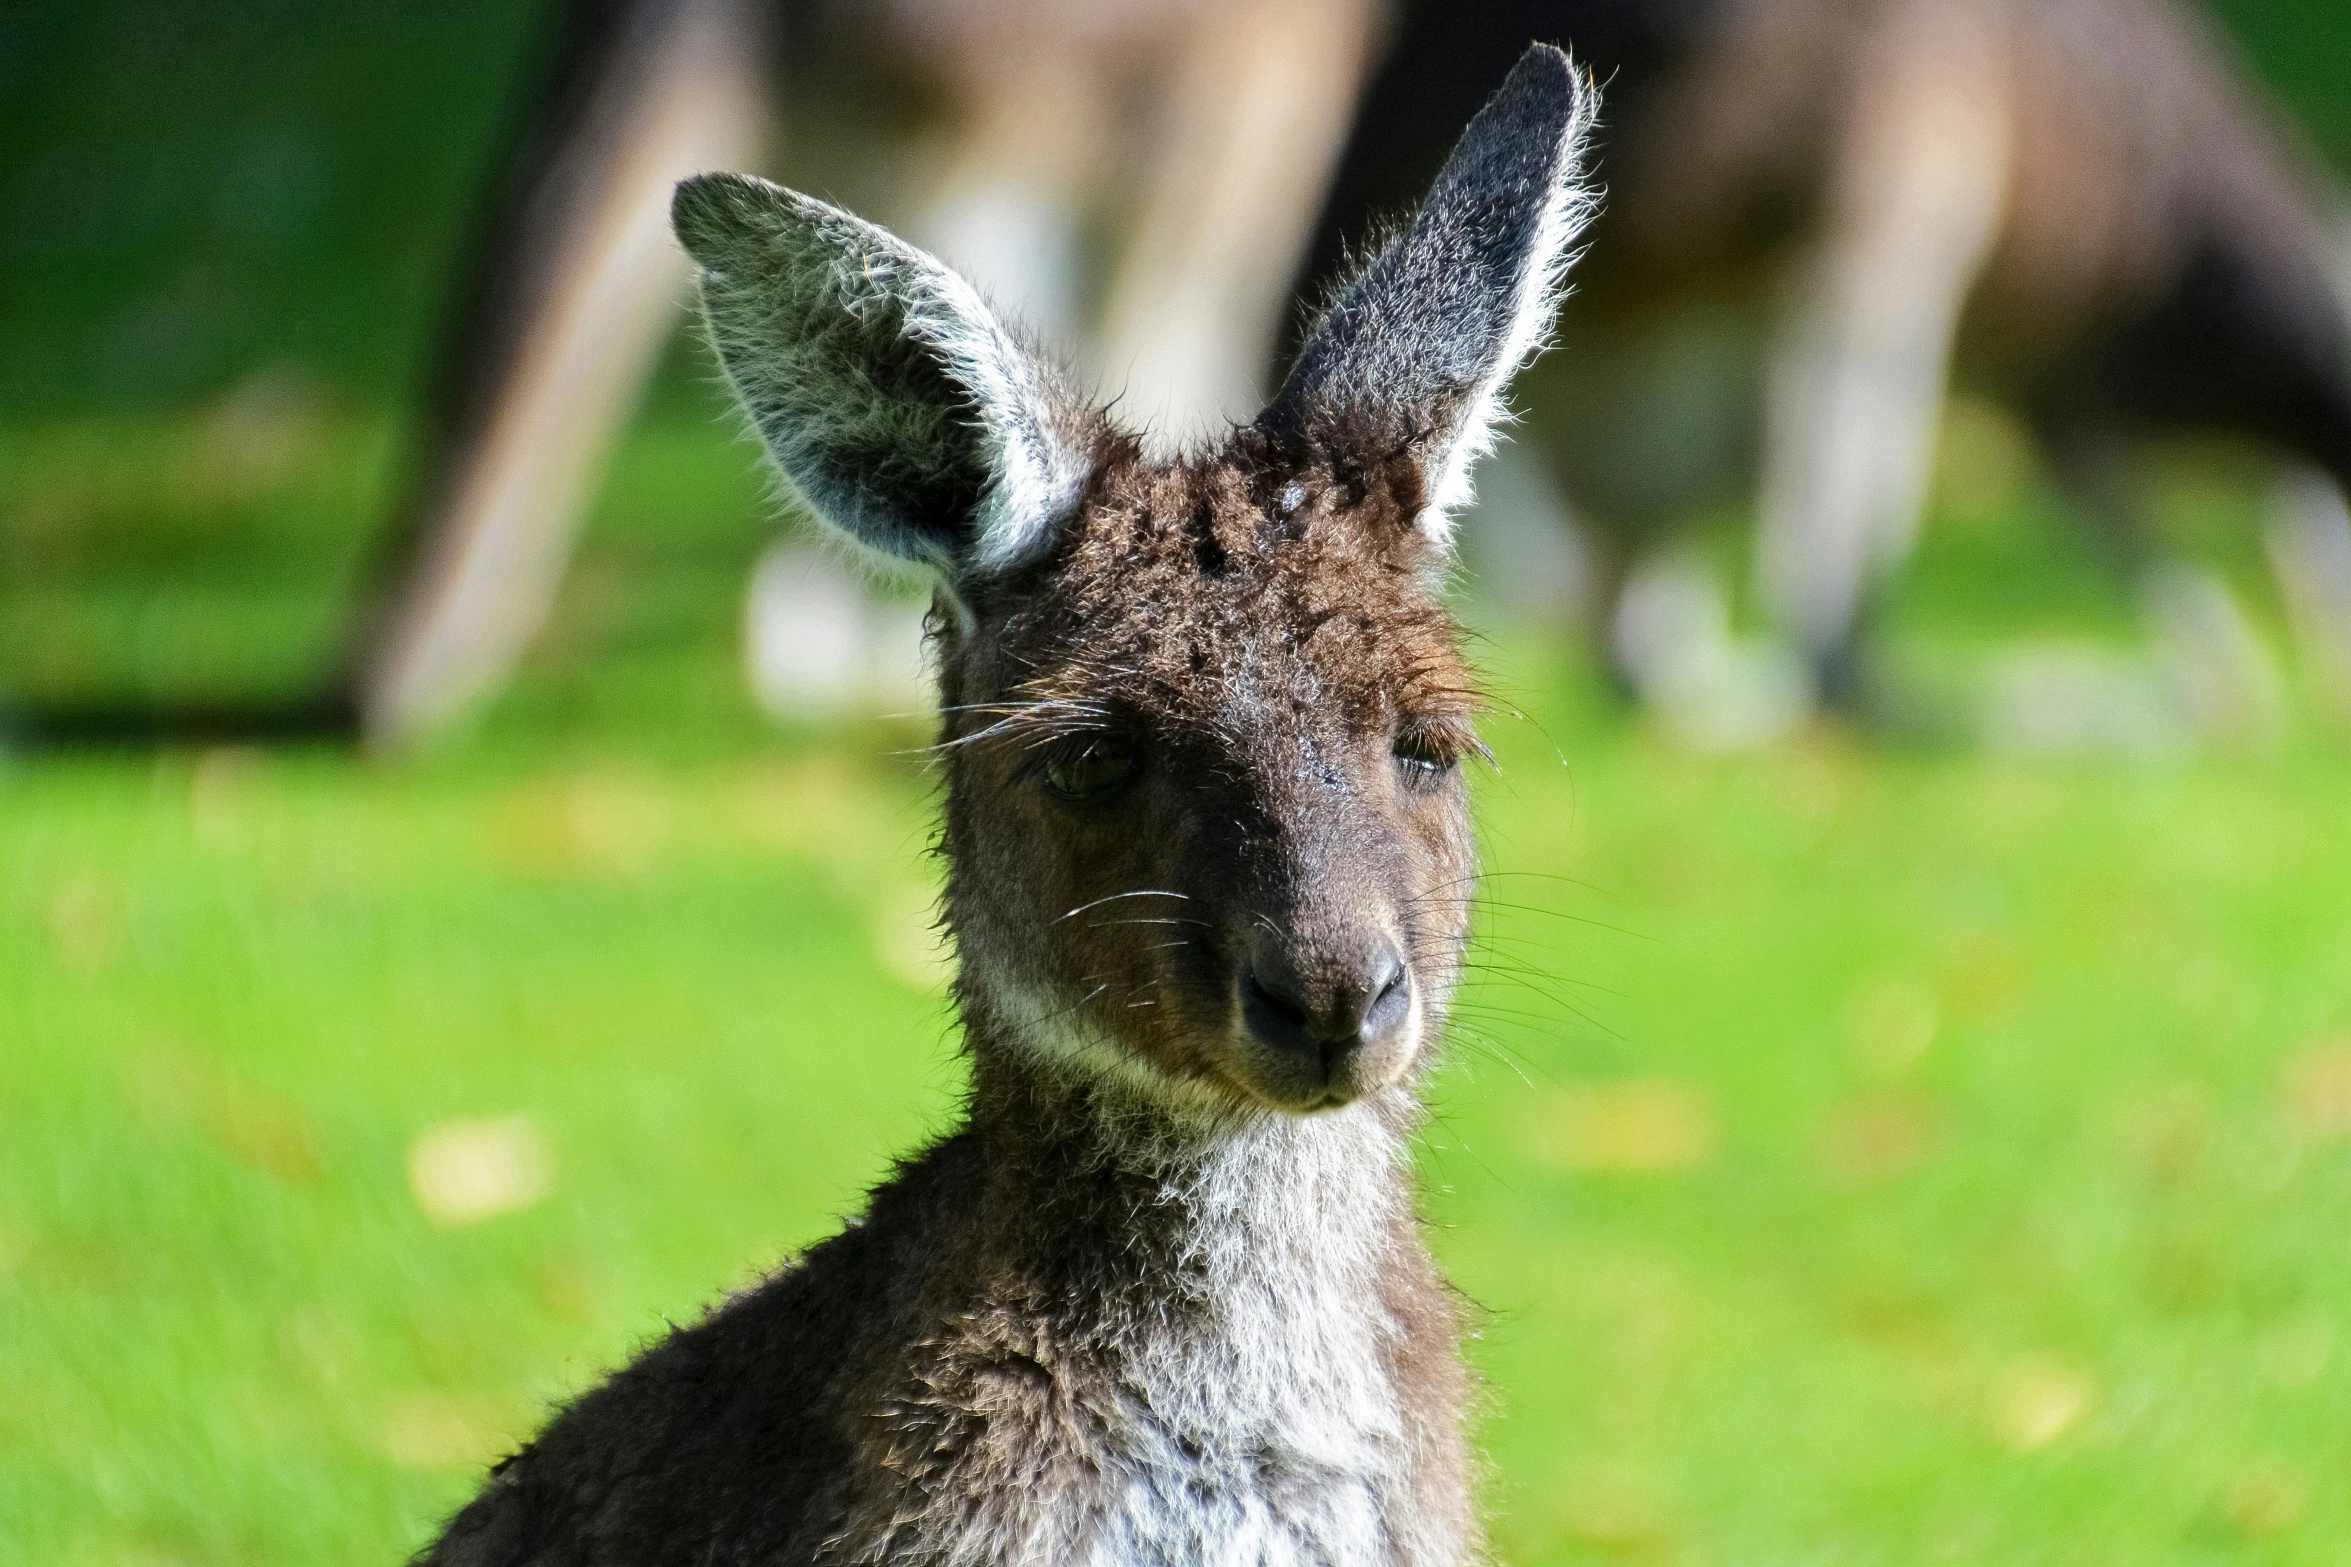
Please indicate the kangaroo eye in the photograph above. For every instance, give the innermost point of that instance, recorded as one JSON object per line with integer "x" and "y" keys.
{"x": 1091, "y": 767}
{"x": 1424, "y": 759}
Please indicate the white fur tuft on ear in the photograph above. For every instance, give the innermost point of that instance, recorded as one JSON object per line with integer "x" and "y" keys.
{"x": 1422, "y": 344}
{"x": 887, "y": 392}
{"x": 1038, "y": 471}
{"x": 1567, "y": 208}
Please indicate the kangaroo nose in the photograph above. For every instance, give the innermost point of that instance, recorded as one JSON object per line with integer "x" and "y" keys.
{"x": 1330, "y": 1013}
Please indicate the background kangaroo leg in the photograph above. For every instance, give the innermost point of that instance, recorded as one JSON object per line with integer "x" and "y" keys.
{"x": 2309, "y": 539}
{"x": 2223, "y": 682}
{"x": 1855, "y": 389}
{"x": 1257, "y": 109}
{"x": 577, "y": 287}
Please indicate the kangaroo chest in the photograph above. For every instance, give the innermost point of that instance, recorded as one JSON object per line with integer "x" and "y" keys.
{"x": 1276, "y": 1439}
{"x": 1236, "y": 1401}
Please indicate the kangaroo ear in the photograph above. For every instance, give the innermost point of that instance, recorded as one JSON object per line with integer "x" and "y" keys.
{"x": 890, "y": 397}
{"x": 1413, "y": 354}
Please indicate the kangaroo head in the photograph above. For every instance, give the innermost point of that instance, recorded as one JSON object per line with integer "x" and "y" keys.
{"x": 1204, "y": 718}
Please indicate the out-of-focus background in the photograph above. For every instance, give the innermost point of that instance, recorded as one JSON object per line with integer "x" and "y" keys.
{"x": 1867, "y": 1143}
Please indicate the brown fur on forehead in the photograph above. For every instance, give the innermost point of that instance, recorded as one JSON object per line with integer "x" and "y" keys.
{"x": 1254, "y": 574}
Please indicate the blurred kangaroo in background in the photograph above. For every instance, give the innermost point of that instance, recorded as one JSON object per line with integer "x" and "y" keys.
{"x": 1006, "y": 134}
{"x": 1821, "y": 215}
{"x": 1161, "y": 1300}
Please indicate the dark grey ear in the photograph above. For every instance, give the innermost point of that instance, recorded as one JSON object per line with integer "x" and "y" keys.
{"x": 900, "y": 409}
{"x": 1417, "y": 349}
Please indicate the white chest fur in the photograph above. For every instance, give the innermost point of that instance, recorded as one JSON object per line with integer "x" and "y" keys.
{"x": 1272, "y": 1434}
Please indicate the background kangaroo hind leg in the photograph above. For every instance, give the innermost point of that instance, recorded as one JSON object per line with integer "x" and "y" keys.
{"x": 1856, "y": 386}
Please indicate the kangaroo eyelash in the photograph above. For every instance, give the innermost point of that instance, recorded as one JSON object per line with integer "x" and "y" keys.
{"x": 1440, "y": 741}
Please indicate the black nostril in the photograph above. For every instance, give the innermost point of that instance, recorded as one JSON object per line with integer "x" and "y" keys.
{"x": 1283, "y": 1008}
{"x": 1276, "y": 997}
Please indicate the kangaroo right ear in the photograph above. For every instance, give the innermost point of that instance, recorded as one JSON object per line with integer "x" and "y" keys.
{"x": 1414, "y": 354}
{"x": 896, "y": 404}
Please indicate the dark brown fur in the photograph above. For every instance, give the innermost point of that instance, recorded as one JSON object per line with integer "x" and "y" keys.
{"x": 1190, "y": 607}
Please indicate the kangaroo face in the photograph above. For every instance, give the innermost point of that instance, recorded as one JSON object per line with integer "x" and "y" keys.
{"x": 1204, "y": 719}
{"x": 1205, "y": 780}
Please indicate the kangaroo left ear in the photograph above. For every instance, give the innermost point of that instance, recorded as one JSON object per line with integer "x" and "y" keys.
{"x": 901, "y": 410}
{"x": 1413, "y": 355}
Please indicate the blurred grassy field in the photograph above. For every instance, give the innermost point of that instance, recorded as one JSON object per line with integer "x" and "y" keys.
{"x": 1861, "y": 1157}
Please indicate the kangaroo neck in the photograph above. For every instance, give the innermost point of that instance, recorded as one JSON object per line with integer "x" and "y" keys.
{"x": 1093, "y": 1187}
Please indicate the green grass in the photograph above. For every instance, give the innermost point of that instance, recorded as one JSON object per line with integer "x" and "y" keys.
{"x": 1860, "y": 1158}
{"x": 1884, "y": 1159}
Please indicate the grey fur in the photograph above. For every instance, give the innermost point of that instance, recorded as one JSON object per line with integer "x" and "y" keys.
{"x": 892, "y": 399}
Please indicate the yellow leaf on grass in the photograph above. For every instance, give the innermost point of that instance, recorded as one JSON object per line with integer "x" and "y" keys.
{"x": 2037, "y": 1400}
{"x": 462, "y": 1172}
{"x": 1636, "y": 1126}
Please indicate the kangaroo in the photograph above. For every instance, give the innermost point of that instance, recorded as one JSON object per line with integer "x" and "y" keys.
{"x": 1138, "y": 121}
{"x": 1825, "y": 213}
{"x": 1160, "y": 1297}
